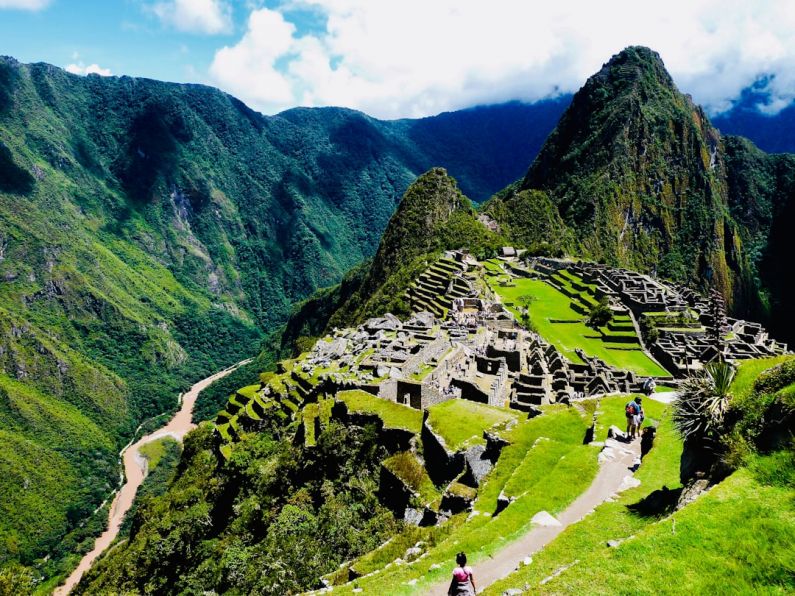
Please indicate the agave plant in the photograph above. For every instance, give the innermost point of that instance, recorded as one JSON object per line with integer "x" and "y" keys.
{"x": 699, "y": 412}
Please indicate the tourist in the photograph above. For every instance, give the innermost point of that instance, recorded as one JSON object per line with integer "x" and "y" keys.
{"x": 640, "y": 416}
{"x": 632, "y": 410}
{"x": 462, "y": 584}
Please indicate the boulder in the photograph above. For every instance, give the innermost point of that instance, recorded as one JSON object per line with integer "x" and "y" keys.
{"x": 494, "y": 445}
{"x": 616, "y": 433}
{"x": 476, "y": 465}
{"x": 457, "y": 498}
{"x": 542, "y": 518}
{"x": 503, "y": 501}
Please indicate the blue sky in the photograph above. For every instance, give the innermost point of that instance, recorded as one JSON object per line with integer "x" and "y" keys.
{"x": 124, "y": 36}
{"x": 413, "y": 57}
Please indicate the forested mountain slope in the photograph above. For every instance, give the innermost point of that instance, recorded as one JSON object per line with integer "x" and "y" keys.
{"x": 152, "y": 232}
{"x": 643, "y": 180}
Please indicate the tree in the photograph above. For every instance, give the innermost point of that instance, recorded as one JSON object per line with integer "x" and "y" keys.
{"x": 524, "y": 301}
{"x": 601, "y": 314}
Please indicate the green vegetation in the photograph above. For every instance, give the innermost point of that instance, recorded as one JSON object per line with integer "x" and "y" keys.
{"x": 749, "y": 371}
{"x": 164, "y": 228}
{"x": 393, "y": 415}
{"x": 461, "y": 422}
{"x": 553, "y": 317}
{"x": 586, "y": 540}
{"x": 541, "y": 486}
{"x": 432, "y": 216}
{"x": 405, "y": 466}
{"x": 739, "y": 532}
{"x": 271, "y": 519}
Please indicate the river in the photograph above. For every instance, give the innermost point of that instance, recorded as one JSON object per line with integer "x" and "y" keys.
{"x": 135, "y": 468}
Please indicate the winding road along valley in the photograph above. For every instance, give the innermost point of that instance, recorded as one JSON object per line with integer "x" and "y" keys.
{"x": 135, "y": 468}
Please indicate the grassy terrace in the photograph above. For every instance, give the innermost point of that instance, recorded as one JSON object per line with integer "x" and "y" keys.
{"x": 749, "y": 370}
{"x": 408, "y": 468}
{"x": 394, "y": 415}
{"x": 552, "y": 305}
{"x": 742, "y": 529}
{"x": 551, "y": 485}
{"x": 461, "y": 422}
{"x": 586, "y": 540}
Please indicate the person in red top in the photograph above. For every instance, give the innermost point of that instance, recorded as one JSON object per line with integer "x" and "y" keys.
{"x": 462, "y": 584}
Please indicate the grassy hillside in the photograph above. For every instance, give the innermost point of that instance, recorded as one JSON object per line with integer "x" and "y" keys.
{"x": 151, "y": 233}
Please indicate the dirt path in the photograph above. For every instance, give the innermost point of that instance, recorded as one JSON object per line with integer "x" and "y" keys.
{"x": 135, "y": 469}
{"x": 618, "y": 461}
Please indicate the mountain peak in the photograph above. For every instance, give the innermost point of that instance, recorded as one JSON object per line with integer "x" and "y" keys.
{"x": 633, "y": 158}
{"x": 636, "y": 69}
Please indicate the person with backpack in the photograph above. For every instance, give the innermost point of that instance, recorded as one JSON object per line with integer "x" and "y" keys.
{"x": 641, "y": 415}
{"x": 462, "y": 584}
{"x": 632, "y": 410}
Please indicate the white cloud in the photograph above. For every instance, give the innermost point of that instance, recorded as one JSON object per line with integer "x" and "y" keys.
{"x": 248, "y": 69}
{"x": 25, "y": 4}
{"x": 81, "y": 69}
{"x": 414, "y": 57}
{"x": 209, "y": 17}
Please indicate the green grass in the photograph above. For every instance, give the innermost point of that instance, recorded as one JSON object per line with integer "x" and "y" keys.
{"x": 461, "y": 422}
{"x": 393, "y": 415}
{"x": 737, "y": 537}
{"x": 493, "y": 266}
{"x": 586, "y": 541}
{"x": 424, "y": 371}
{"x": 410, "y": 470}
{"x": 747, "y": 373}
{"x": 549, "y": 487}
{"x": 550, "y": 304}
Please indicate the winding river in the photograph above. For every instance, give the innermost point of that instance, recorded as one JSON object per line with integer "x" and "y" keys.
{"x": 135, "y": 468}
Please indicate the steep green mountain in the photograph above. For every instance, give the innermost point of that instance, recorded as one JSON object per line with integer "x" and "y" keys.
{"x": 634, "y": 170}
{"x": 151, "y": 233}
{"x": 641, "y": 179}
{"x": 432, "y": 216}
{"x": 762, "y": 202}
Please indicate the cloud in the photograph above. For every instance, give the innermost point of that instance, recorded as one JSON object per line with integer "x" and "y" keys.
{"x": 209, "y": 17}
{"x": 416, "y": 58}
{"x": 25, "y": 4}
{"x": 248, "y": 69}
{"x": 82, "y": 69}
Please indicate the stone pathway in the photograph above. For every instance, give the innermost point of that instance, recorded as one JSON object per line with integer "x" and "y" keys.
{"x": 665, "y": 397}
{"x": 617, "y": 464}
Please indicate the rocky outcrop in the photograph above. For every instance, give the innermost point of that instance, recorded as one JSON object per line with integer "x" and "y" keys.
{"x": 477, "y": 465}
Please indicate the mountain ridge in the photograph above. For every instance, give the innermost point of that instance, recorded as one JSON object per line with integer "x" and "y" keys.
{"x": 151, "y": 233}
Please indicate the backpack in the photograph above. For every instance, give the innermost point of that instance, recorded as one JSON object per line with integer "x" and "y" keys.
{"x": 631, "y": 409}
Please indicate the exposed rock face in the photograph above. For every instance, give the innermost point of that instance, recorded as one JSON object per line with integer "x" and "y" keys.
{"x": 477, "y": 465}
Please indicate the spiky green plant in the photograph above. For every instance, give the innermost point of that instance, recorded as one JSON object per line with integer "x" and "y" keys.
{"x": 699, "y": 412}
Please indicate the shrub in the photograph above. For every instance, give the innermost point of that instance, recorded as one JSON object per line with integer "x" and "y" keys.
{"x": 776, "y": 378}
{"x": 600, "y": 314}
{"x": 699, "y": 413}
